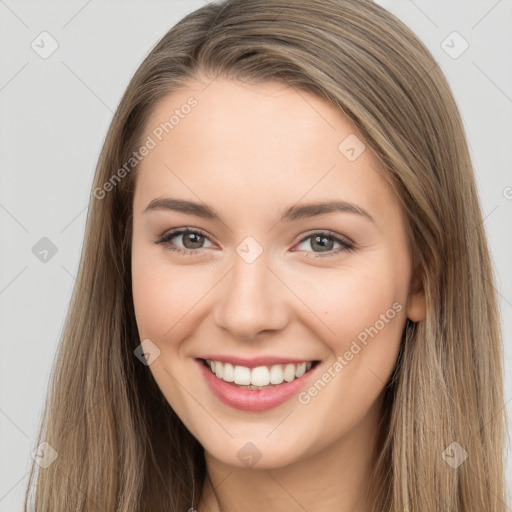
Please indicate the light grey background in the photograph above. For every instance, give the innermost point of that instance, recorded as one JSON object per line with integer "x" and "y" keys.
{"x": 54, "y": 116}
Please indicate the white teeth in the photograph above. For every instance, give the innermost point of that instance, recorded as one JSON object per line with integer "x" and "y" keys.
{"x": 242, "y": 375}
{"x": 289, "y": 372}
{"x": 229, "y": 372}
{"x": 301, "y": 370}
{"x": 261, "y": 376}
{"x": 276, "y": 374}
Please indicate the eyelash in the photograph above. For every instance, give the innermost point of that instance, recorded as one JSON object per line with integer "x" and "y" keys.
{"x": 346, "y": 246}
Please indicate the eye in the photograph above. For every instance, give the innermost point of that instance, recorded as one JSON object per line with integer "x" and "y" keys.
{"x": 324, "y": 241}
{"x": 192, "y": 240}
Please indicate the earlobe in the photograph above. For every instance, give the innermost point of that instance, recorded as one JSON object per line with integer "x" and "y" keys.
{"x": 416, "y": 308}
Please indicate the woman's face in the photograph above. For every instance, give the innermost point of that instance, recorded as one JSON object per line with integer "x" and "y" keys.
{"x": 272, "y": 283}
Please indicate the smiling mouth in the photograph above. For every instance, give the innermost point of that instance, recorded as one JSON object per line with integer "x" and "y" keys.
{"x": 260, "y": 377}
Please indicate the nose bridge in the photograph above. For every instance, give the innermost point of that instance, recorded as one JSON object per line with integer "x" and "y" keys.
{"x": 251, "y": 298}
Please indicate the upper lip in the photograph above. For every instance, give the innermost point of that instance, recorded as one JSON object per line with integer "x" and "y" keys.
{"x": 255, "y": 361}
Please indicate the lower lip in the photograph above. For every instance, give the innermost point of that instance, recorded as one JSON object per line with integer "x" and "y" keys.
{"x": 255, "y": 400}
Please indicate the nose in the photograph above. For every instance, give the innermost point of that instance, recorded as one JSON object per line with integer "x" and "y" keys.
{"x": 251, "y": 300}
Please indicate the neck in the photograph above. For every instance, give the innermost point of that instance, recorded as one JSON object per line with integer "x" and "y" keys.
{"x": 335, "y": 478}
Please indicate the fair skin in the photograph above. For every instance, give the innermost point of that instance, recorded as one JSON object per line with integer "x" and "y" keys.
{"x": 250, "y": 151}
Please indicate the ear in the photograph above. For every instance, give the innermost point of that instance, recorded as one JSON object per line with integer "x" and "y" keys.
{"x": 416, "y": 307}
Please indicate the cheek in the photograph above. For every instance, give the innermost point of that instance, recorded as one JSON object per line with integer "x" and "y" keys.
{"x": 162, "y": 293}
{"x": 160, "y": 301}
{"x": 164, "y": 308}
{"x": 364, "y": 307}
{"x": 150, "y": 297}
{"x": 365, "y": 311}
{"x": 356, "y": 299}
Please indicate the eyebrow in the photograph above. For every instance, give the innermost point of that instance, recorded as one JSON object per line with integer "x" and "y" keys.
{"x": 294, "y": 212}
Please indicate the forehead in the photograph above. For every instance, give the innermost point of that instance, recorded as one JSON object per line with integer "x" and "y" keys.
{"x": 263, "y": 144}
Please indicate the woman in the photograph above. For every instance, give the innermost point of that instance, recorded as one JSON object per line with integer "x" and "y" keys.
{"x": 221, "y": 352}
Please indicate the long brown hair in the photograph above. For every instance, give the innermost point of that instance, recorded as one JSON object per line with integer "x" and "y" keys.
{"x": 120, "y": 445}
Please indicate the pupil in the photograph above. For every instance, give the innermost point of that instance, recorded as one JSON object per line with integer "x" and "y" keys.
{"x": 323, "y": 239}
{"x": 189, "y": 239}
